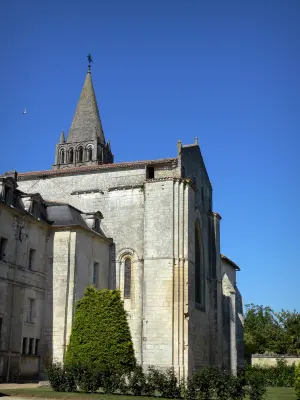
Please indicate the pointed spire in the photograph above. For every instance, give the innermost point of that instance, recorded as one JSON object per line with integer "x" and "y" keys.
{"x": 62, "y": 137}
{"x": 86, "y": 119}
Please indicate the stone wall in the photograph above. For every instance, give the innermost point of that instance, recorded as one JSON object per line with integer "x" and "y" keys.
{"x": 205, "y": 322}
{"x": 233, "y": 319}
{"x": 268, "y": 361}
{"x": 129, "y": 204}
{"x": 73, "y": 253}
{"x": 18, "y": 284}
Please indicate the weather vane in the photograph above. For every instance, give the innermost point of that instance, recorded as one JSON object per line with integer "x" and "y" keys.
{"x": 90, "y": 60}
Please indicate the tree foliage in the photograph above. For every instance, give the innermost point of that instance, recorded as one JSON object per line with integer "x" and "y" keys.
{"x": 267, "y": 331}
{"x": 100, "y": 337}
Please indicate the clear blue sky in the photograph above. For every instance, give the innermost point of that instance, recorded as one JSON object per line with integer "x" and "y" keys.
{"x": 225, "y": 71}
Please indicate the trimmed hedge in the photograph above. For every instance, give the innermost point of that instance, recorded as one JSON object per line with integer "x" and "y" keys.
{"x": 204, "y": 385}
{"x": 100, "y": 338}
{"x": 280, "y": 375}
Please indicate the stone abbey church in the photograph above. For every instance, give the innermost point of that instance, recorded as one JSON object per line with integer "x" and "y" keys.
{"x": 145, "y": 227}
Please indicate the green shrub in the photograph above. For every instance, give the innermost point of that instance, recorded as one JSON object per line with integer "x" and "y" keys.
{"x": 189, "y": 390}
{"x": 137, "y": 381}
{"x": 170, "y": 388}
{"x": 88, "y": 380}
{"x": 211, "y": 383}
{"x": 155, "y": 379}
{"x": 110, "y": 382}
{"x": 60, "y": 378}
{"x": 237, "y": 387}
{"x": 204, "y": 382}
{"x": 256, "y": 387}
{"x": 228, "y": 387}
{"x": 123, "y": 384}
{"x": 165, "y": 383}
{"x": 281, "y": 375}
{"x": 297, "y": 381}
{"x": 100, "y": 337}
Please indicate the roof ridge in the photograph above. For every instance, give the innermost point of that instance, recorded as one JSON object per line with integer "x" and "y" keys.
{"x": 65, "y": 171}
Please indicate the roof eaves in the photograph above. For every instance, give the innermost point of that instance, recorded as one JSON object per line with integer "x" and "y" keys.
{"x": 234, "y": 265}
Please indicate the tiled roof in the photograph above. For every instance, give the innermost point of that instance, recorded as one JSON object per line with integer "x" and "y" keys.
{"x": 79, "y": 170}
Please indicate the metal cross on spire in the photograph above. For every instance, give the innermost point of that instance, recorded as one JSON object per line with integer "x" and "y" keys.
{"x": 90, "y": 60}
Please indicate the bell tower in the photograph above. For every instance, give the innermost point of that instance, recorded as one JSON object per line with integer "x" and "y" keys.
{"x": 85, "y": 143}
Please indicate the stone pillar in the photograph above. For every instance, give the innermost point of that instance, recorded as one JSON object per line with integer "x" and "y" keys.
{"x": 233, "y": 348}
{"x": 215, "y": 290}
{"x": 180, "y": 280}
{"x": 229, "y": 324}
{"x": 63, "y": 291}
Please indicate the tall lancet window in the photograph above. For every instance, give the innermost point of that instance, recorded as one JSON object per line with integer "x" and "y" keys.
{"x": 62, "y": 157}
{"x": 199, "y": 269}
{"x": 127, "y": 278}
{"x": 71, "y": 155}
{"x": 80, "y": 154}
{"x": 90, "y": 154}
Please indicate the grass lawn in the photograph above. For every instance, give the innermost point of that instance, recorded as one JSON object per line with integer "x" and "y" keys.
{"x": 281, "y": 394}
{"x": 273, "y": 394}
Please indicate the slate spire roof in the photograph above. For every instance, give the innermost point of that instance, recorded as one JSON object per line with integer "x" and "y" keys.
{"x": 86, "y": 124}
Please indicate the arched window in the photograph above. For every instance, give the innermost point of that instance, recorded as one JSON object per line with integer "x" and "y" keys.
{"x": 62, "y": 157}
{"x": 71, "y": 155}
{"x": 80, "y": 154}
{"x": 127, "y": 278}
{"x": 199, "y": 269}
{"x": 90, "y": 154}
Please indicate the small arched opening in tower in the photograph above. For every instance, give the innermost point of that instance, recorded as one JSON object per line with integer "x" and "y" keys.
{"x": 80, "y": 154}
{"x": 62, "y": 157}
{"x": 90, "y": 154}
{"x": 71, "y": 155}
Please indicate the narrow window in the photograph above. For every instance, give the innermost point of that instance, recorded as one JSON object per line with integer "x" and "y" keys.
{"x": 14, "y": 199}
{"x": 31, "y": 259}
{"x": 0, "y": 329}
{"x": 62, "y": 157}
{"x": 199, "y": 270}
{"x": 30, "y": 349}
{"x": 34, "y": 208}
{"x": 3, "y": 245}
{"x": 36, "y": 349}
{"x": 95, "y": 273}
{"x": 7, "y": 195}
{"x": 24, "y": 345}
{"x": 150, "y": 173}
{"x": 97, "y": 225}
{"x": 90, "y": 153}
{"x": 127, "y": 278}
{"x": 80, "y": 154}
{"x": 71, "y": 155}
{"x": 30, "y": 311}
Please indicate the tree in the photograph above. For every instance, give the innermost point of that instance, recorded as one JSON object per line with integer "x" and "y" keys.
{"x": 290, "y": 321}
{"x": 100, "y": 337}
{"x": 262, "y": 330}
{"x": 268, "y": 331}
